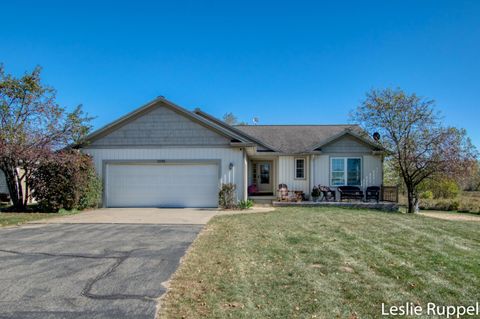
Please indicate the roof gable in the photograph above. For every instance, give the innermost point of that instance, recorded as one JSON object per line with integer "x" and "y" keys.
{"x": 161, "y": 122}
{"x": 354, "y": 135}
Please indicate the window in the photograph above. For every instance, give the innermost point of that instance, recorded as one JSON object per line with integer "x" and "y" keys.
{"x": 300, "y": 168}
{"x": 265, "y": 173}
{"x": 346, "y": 171}
{"x": 338, "y": 172}
{"x": 354, "y": 172}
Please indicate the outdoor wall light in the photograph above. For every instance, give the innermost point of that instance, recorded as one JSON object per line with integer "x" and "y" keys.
{"x": 230, "y": 166}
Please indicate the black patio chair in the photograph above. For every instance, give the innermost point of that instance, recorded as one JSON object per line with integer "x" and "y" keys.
{"x": 328, "y": 193}
{"x": 350, "y": 192}
{"x": 373, "y": 192}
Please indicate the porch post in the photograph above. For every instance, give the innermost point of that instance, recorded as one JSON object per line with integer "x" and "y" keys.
{"x": 245, "y": 175}
{"x": 311, "y": 172}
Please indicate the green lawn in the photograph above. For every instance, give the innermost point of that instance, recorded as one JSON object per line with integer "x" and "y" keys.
{"x": 9, "y": 219}
{"x": 324, "y": 263}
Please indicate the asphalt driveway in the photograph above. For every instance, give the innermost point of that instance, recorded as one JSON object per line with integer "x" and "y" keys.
{"x": 88, "y": 270}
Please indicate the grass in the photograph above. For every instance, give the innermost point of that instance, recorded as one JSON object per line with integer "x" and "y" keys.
{"x": 324, "y": 263}
{"x": 13, "y": 218}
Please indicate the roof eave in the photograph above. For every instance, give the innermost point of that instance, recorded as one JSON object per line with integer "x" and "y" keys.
{"x": 237, "y": 144}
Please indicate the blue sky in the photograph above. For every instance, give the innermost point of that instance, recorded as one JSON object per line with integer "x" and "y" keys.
{"x": 286, "y": 62}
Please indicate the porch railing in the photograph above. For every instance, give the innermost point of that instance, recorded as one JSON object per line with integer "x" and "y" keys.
{"x": 390, "y": 194}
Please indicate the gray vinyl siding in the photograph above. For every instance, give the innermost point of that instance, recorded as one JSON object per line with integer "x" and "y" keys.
{"x": 347, "y": 144}
{"x": 223, "y": 155}
{"x": 371, "y": 169}
{"x": 163, "y": 127}
{"x": 3, "y": 183}
{"x": 286, "y": 174}
{"x": 318, "y": 168}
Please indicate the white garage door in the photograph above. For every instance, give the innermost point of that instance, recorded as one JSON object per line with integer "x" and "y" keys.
{"x": 162, "y": 185}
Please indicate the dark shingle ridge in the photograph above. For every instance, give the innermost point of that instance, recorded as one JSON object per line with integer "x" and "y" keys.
{"x": 294, "y": 139}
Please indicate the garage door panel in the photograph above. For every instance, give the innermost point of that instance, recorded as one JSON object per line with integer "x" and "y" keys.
{"x": 162, "y": 185}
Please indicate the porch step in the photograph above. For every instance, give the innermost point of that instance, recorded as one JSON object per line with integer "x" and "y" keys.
{"x": 263, "y": 200}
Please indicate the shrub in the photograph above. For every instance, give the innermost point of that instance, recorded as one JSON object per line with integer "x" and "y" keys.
{"x": 444, "y": 204}
{"x": 66, "y": 180}
{"x": 470, "y": 205}
{"x": 92, "y": 194}
{"x": 446, "y": 188}
{"x": 226, "y": 196}
{"x": 245, "y": 204}
{"x": 466, "y": 202}
{"x": 315, "y": 192}
{"x": 426, "y": 195}
{"x": 441, "y": 188}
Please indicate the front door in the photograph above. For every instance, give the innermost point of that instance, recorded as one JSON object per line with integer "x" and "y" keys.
{"x": 264, "y": 176}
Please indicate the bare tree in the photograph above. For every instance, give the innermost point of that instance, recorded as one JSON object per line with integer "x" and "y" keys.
{"x": 32, "y": 126}
{"x": 419, "y": 145}
{"x": 230, "y": 118}
{"x": 471, "y": 181}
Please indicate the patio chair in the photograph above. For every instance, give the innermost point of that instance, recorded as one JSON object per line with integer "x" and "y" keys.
{"x": 350, "y": 192}
{"x": 298, "y": 196}
{"x": 372, "y": 192}
{"x": 328, "y": 193}
{"x": 252, "y": 190}
{"x": 283, "y": 193}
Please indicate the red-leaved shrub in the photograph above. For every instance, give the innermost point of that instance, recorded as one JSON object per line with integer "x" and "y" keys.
{"x": 66, "y": 180}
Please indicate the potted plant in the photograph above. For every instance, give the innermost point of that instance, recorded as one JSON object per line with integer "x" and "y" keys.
{"x": 315, "y": 193}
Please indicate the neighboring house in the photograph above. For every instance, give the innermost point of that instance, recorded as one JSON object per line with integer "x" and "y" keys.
{"x": 162, "y": 155}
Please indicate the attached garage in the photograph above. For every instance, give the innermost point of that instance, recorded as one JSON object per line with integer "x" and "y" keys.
{"x": 161, "y": 155}
{"x": 164, "y": 184}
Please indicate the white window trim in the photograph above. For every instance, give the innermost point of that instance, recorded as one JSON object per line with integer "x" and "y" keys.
{"x": 345, "y": 171}
{"x": 304, "y": 168}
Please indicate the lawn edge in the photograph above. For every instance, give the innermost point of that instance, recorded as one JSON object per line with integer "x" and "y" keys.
{"x": 188, "y": 252}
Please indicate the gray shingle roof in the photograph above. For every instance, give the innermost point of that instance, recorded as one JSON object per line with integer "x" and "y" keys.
{"x": 295, "y": 138}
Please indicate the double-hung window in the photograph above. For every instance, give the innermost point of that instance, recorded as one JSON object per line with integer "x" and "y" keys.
{"x": 299, "y": 168}
{"x": 346, "y": 171}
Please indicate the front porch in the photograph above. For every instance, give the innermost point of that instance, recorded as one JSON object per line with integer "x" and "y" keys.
{"x": 289, "y": 181}
{"x": 383, "y": 206}
{"x": 262, "y": 179}
{"x": 266, "y": 172}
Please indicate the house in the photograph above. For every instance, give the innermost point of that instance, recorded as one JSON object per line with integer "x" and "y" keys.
{"x": 162, "y": 155}
{"x": 3, "y": 183}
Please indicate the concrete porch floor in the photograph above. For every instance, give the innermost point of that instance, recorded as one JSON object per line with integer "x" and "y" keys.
{"x": 384, "y": 206}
